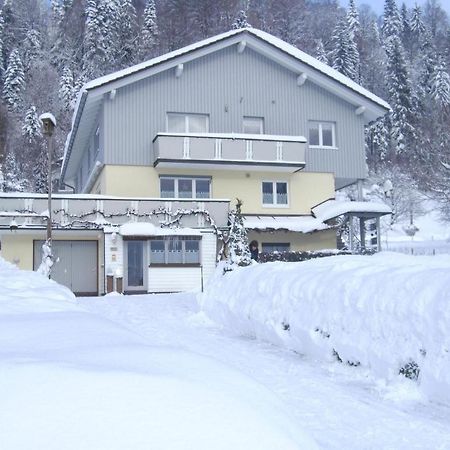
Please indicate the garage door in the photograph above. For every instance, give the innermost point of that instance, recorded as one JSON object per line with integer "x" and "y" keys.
{"x": 76, "y": 265}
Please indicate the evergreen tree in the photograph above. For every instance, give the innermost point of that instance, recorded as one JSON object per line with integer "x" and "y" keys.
{"x": 149, "y": 32}
{"x": 391, "y": 21}
{"x": 238, "y": 245}
{"x": 416, "y": 23}
{"x": 67, "y": 91}
{"x": 31, "y": 128}
{"x": 14, "y": 84}
{"x": 2, "y": 61}
{"x": 13, "y": 180}
{"x": 353, "y": 18}
{"x": 31, "y": 47}
{"x": 345, "y": 52}
{"x": 241, "y": 20}
{"x": 40, "y": 170}
{"x": 321, "y": 54}
{"x": 440, "y": 84}
{"x": 123, "y": 29}
{"x": 400, "y": 97}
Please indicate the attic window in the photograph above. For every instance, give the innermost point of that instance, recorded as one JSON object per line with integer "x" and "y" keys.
{"x": 187, "y": 123}
{"x": 322, "y": 134}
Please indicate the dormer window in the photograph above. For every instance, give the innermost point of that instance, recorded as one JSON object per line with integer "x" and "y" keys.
{"x": 253, "y": 125}
{"x": 187, "y": 123}
{"x": 322, "y": 134}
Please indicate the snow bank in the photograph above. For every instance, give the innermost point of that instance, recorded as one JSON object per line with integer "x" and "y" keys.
{"x": 25, "y": 292}
{"x": 74, "y": 381}
{"x": 387, "y": 312}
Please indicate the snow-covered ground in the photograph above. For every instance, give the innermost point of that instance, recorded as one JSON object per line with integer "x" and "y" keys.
{"x": 70, "y": 379}
{"x": 154, "y": 371}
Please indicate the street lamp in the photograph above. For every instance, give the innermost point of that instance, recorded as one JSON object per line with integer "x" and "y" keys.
{"x": 48, "y": 122}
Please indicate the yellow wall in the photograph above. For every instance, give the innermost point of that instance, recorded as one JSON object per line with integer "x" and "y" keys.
{"x": 17, "y": 247}
{"x": 319, "y": 240}
{"x": 306, "y": 189}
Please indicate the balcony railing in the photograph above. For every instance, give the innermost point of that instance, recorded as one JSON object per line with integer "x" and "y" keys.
{"x": 229, "y": 150}
{"x": 23, "y": 210}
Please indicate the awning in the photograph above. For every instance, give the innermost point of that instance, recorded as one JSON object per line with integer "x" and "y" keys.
{"x": 299, "y": 224}
{"x": 334, "y": 208}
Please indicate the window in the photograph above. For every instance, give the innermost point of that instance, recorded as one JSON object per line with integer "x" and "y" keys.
{"x": 185, "y": 187}
{"x": 253, "y": 125}
{"x": 275, "y": 193}
{"x": 175, "y": 250}
{"x": 187, "y": 123}
{"x": 322, "y": 134}
{"x": 270, "y": 247}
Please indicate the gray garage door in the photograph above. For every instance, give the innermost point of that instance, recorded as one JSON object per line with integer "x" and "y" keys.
{"x": 76, "y": 267}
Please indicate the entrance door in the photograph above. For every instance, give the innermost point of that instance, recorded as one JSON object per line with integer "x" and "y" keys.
{"x": 136, "y": 269}
{"x": 76, "y": 265}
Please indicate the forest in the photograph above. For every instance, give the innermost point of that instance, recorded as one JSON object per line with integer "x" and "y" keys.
{"x": 48, "y": 50}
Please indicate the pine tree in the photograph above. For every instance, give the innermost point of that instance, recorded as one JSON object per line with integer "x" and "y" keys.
{"x": 400, "y": 97}
{"x": 2, "y": 61}
{"x": 353, "y": 18}
{"x": 123, "y": 31}
{"x": 321, "y": 54}
{"x": 238, "y": 245}
{"x": 40, "y": 170}
{"x": 67, "y": 91}
{"x": 31, "y": 47}
{"x": 241, "y": 20}
{"x": 149, "y": 32}
{"x": 416, "y": 23}
{"x": 391, "y": 21}
{"x": 31, "y": 128}
{"x": 345, "y": 52}
{"x": 440, "y": 84}
{"x": 13, "y": 180}
{"x": 14, "y": 83}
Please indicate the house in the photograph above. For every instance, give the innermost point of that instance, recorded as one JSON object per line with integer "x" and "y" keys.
{"x": 242, "y": 114}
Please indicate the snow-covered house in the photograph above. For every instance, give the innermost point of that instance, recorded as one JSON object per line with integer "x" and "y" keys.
{"x": 242, "y": 114}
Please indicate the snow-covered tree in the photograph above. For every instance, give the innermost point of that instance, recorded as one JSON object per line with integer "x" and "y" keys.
{"x": 149, "y": 32}
{"x": 2, "y": 27}
{"x": 345, "y": 53}
{"x": 391, "y": 21}
{"x": 241, "y": 20}
{"x": 321, "y": 54}
{"x": 238, "y": 245}
{"x": 40, "y": 171}
{"x": 14, "y": 83}
{"x": 122, "y": 28}
{"x": 31, "y": 47}
{"x": 13, "y": 175}
{"x": 31, "y": 128}
{"x": 416, "y": 23}
{"x": 353, "y": 18}
{"x": 67, "y": 92}
{"x": 377, "y": 142}
{"x": 440, "y": 84}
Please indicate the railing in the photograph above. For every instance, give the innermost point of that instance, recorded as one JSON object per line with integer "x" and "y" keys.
{"x": 24, "y": 210}
{"x": 231, "y": 149}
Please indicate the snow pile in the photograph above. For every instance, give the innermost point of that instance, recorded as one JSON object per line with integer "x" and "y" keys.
{"x": 22, "y": 292}
{"x": 73, "y": 380}
{"x": 389, "y": 313}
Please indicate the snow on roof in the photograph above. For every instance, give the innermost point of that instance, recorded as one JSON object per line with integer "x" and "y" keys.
{"x": 300, "y": 224}
{"x": 48, "y": 116}
{"x": 149, "y": 229}
{"x": 334, "y": 208}
{"x": 280, "y": 44}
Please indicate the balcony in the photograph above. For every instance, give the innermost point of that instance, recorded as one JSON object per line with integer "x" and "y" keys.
{"x": 229, "y": 151}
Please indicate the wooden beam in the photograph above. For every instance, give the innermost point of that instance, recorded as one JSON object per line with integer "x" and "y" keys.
{"x": 241, "y": 46}
{"x": 179, "y": 70}
{"x": 301, "y": 79}
{"x": 360, "y": 110}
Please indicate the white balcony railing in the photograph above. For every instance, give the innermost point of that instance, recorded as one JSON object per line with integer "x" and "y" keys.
{"x": 229, "y": 150}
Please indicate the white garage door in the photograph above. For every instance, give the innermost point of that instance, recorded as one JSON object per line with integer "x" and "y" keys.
{"x": 76, "y": 266}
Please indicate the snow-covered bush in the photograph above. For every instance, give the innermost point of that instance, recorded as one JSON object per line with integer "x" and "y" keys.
{"x": 388, "y": 313}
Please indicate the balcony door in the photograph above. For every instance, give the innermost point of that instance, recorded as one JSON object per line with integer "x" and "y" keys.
{"x": 136, "y": 265}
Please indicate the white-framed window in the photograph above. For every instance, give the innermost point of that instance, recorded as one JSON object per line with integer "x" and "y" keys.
{"x": 185, "y": 187}
{"x": 322, "y": 134}
{"x": 253, "y": 125}
{"x": 275, "y": 193}
{"x": 276, "y": 247}
{"x": 187, "y": 123}
{"x": 175, "y": 250}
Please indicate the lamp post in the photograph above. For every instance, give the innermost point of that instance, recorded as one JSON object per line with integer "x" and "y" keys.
{"x": 48, "y": 126}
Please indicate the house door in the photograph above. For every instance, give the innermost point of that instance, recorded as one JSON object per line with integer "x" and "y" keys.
{"x": 76, "y": 265}
{"x": 136, "y": 265}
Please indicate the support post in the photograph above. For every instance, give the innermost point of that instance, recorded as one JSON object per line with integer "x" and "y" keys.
{"x": 362, "y": 233}
{"x": 378, "y": 235}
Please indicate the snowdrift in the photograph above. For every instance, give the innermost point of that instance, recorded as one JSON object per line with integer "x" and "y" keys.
{"x": 389, "y": 312}
{"x": 73, "y": 380}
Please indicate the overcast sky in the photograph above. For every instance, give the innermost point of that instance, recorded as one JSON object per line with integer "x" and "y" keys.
{"x": 377, "y": 5}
